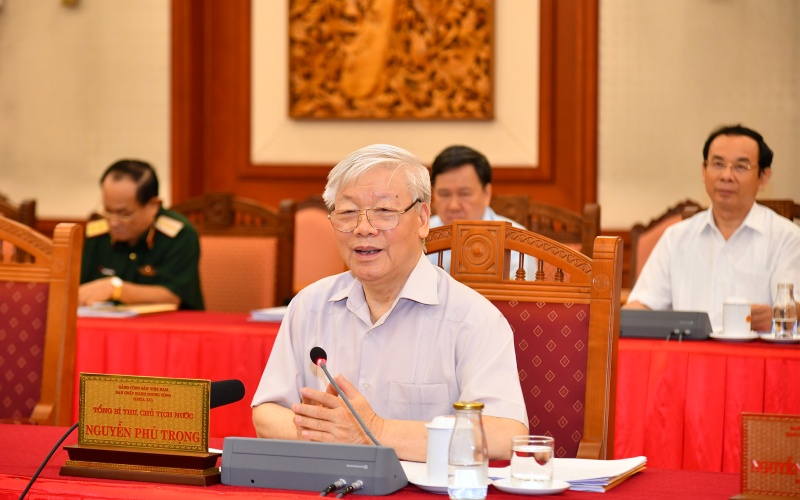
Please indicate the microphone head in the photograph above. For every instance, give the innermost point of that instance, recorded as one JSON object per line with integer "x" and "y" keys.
{"x": 225, "y": 392}
{"x": 318, "y": 355}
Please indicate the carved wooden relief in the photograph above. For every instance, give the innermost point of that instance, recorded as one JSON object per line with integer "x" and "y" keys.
{"x": 384, "y": 59}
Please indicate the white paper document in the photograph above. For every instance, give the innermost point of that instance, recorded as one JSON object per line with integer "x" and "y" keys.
{"x": 274, "y": 314}
{"x": 587, "y": 475}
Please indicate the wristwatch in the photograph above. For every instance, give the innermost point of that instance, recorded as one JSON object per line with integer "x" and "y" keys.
{"x": 116, "y": 282}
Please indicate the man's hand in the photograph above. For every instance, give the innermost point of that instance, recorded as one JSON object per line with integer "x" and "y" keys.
{"x": 99, "y": 290}
{"x": 761, "y": 317}
{"x": 323, "y": 416}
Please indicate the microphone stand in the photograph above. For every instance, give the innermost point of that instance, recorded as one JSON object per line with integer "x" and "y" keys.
{"x": 321, "y": 363}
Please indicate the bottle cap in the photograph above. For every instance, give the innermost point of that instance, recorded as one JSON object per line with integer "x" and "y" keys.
{"x": 468, "y": 405}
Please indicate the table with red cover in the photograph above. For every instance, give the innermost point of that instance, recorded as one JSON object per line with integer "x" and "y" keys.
{"x": 679, "y": 403}
{"x": 181, "y": 344}
{"x": 24, "y": 448}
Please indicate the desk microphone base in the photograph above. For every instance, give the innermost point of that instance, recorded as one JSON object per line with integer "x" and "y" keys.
{"x": 196, "y": 469}
{"x": 307, "y": 466}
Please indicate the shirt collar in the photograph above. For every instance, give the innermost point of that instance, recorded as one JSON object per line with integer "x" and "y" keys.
{"x": 420, "y": 287}
{"x": 756, "y": 220}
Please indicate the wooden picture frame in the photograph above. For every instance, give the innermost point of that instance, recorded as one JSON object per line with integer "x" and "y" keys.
{"x": 391, "y": 59}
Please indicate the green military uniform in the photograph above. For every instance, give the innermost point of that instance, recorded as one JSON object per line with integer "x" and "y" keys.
{"x": 168, "y": 255}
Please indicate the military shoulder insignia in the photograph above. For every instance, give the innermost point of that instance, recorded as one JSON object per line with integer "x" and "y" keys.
{"x": 169, "y": 226}
{"x": 96, "y": 227}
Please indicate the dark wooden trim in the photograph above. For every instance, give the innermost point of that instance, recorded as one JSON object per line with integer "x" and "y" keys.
{"x": 211, "y": 103}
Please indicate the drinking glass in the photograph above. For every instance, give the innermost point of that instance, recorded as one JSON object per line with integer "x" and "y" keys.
{"x": 532, "y": 459}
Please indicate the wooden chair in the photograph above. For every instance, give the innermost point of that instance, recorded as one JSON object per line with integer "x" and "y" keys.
{"x": 315, "y": 252}
{"x": 246, "y": 251}
{"x": 566, "y": 325}
{"x": 785, "y": 207}
{"x": 38, "y": 319}
{"x": 25, "y": 213}
{"x": 576, "y": 230}
{"x": 645, "y": 237}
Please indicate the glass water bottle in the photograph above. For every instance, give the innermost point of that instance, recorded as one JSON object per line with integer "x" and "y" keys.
{"x": 468, "y": 458}
{"x": 784, "y": 312}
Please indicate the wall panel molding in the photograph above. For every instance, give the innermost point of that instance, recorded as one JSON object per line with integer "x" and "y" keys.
{"x": 211, "y": 107}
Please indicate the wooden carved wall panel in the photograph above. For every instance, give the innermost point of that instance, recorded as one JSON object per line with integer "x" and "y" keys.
{"x": 382, "y": 59}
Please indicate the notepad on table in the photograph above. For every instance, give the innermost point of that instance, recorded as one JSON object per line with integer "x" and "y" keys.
{"x": 587, "y": 475}
{"x": 109, "y": 310}
{"x": 275, "y": 314}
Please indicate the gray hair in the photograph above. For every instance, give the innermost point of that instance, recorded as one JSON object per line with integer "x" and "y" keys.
{"x": 379, "y": 155}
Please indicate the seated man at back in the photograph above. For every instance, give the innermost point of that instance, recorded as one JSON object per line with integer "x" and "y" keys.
{"x": 138, "y": 252}
{"x": 462, "y": 189}
{"x": 737, "y": 248}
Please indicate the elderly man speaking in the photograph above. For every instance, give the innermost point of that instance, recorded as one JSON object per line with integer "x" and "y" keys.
{"x": 404, "y": 339}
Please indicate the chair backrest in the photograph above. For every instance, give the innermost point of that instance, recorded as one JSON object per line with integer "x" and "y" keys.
{"x": 566, "y": 331}
{"x": 246, "y": 251}
{"x": 785, "y": 207}
{"x": 576, "y": 230}
{"x": 315, "y": 252}
{"x": 38, "y": 320}
{"x": 25, "y": 213}
{"x": 645, "y": 237}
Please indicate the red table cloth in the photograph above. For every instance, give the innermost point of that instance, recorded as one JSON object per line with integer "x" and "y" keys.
{"x": 679, "y": 403}
{"x": 26, "y": 446}
{"x": 181, "y": 344}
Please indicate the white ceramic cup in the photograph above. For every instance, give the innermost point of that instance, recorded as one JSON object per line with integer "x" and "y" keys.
{"x": 735, "y": 316}
{"x": 439, "y": 431}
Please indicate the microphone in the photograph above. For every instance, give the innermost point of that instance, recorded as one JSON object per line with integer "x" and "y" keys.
{"x": 225, "y": 392}
{"x": 320, "y": 358}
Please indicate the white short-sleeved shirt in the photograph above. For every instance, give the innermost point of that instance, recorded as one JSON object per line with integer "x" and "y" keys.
{"x": 441, "y": 342}
{"x": 693, "y": 268}
{"x": 489, "y": 214}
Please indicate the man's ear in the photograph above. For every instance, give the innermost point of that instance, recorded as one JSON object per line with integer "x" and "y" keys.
{"x": 425, "y": 219}
{"x": 763, "y": 178}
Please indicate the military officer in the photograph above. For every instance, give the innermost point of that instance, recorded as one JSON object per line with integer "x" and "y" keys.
{"x": 138, "y": 252}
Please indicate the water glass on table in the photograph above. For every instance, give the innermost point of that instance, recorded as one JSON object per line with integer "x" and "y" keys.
{"x": 532, "y": 459}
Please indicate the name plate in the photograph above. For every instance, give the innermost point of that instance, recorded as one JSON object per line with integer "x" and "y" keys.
{"x": 770, "y": 456}
{"x": 153, "y": 413}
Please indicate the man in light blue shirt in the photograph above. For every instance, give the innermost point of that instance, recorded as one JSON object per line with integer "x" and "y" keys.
{"x": 462, "y": 189}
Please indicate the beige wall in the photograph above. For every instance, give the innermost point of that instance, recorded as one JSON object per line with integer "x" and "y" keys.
{"x": 673, "y": 70}
{"x": 81, "y": 87}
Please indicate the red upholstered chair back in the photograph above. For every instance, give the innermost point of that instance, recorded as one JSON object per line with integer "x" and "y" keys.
{"x": 38, "y": 321}
{"x": 246, "y": 251}
{"x": 645, "y": 237}
{"x": 566, "y": 325}
{"x": 316, "y": 255}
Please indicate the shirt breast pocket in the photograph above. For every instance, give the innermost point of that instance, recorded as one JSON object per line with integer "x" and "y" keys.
{"x": 754, "y": 285}
{"x": 419, "y": 402}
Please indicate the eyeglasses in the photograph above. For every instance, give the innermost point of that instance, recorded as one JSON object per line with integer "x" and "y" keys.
{"x": 102, "y": 212}
{"x": 737, "y": 167}
{"x": 381, "y": 219}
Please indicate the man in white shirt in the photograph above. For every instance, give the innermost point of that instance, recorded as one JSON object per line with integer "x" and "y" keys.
{"x": 737, "y": 248}
{"x": 406, "y": 340}
{"x": 462, "y": 189}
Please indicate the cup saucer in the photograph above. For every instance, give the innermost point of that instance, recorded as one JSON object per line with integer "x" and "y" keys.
{"x": 734, "y": 337}
{"x": 508, "y": 485}
{"x": 770, "y": 337}
{"x": 417, "y": 474}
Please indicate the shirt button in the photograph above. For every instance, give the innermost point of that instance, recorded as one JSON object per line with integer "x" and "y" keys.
{"x": 366, "y": 386}
{"x": 371, "y": 334}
